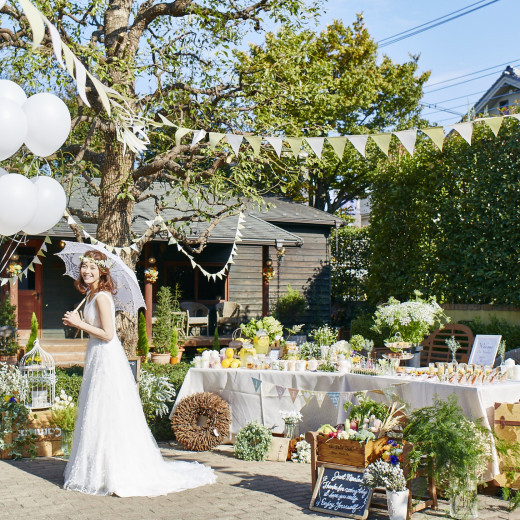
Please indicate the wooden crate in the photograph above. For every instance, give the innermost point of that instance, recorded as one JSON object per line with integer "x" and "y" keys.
{"x": 349, "y": 453}
{"x": 507, "y": 427}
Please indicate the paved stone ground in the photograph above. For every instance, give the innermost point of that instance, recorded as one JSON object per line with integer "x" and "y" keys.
{"x": 31, "y": 490}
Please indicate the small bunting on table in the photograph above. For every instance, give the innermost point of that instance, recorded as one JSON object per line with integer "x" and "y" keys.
{"x": 293, "y": 392}
{"x": 280, "y": 390}
{"x": 256, "y": 383}
{"x": 334, "y": 397}
{"x": 307, "y": 395}
{"x": 320, "y": 397}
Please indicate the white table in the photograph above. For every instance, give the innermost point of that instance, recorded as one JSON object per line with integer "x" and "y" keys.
{"x": 262, "y": 403}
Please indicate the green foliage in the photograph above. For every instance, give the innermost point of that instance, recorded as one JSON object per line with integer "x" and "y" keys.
{"x": 174, "y": 342}
{"x": 253, "y": 442}
{"x": 34, "y": 333}
{"x": 8, "y": 346}
{"x": 510, "y": 332}
{"x": 63, "y": 412}
{"x": 216, "y": 340}
{"x": 143, "y": 345}
{"x": 14, "y": 418}
{"x": 309, "y": 350}
{"x": 363, "y": 325}
{"x": 447, "y": 223}
{"x": 163, "y": 326}
{"x": 69, "y": 381}
{"x": 324, "y": 335}
{"x": 365, "y": 408}
{"x": 291, "y": 307}
{"x": 271, "y": 325}
{"x": 513, "y": 498}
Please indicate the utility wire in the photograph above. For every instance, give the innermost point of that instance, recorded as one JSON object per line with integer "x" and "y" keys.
{"x": 430, "y": 25}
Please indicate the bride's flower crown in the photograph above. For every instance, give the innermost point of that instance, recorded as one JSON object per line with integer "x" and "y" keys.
{"x": 105, "y": 264}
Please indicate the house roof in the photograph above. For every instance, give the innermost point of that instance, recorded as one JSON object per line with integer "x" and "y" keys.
{"x": 510, "y": 77}
{"x": 257, "y": 230}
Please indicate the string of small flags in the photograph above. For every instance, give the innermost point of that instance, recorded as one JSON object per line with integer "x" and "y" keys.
{"x": 36, "y": 260}
{"x": 171, "y": 241}
{"x": 307, "y": 395}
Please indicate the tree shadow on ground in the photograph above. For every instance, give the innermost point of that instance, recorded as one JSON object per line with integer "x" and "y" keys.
{"x": 46, "y": 468}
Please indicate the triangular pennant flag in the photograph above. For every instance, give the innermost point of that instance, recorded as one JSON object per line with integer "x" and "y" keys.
{"x": 320, "y": 396}
{"x": 43, "y": 247}
{"x": 238, "y": 239}
{"x": 31, "y": 267}
{"x": 4, "y": 281}
{"x": 255, "y": 141}
{"x": 36, "y": 260}
{"x": 85, "y": 234}
{"x": 179, "y": 247}
{"x": 40, "y": 253}
{"x": 165, "y": 121}
{"x": 293, "y": 392}
{"x": 66, "y": 214}
{"x": 48, "y": 240}
{"x": 214, "y": 276}
{"x": 163, "y": 226}
{"x": 316, "y": 143}
{"x": 382, "y": 141}
{"x": 127, "y": 250}
{"x": 193, "y": 263}
{"x": 93, "y": 240}
{"x": 436, "y": 134}
{"x": 338, "y": 144}
{"x": 234, "y": 141}
{"x": 465, "y": 130}
{"x": 256, "y": 383}
{"x": 215, "y": 138}
{"x": 117, "y": 250}
{"x": 134, "y": 247}
{"x": 70, "y": 220}
{"x": 407, "y": 138}
{"x": 198, "y": 135}
{"x": 307, "y": 396}
{"x": 172, "y": 241}
{"x": 334, "y": 397}
{"x": 276, "y": 143}
{"x": 516, "y": 116}
{"x": 219, "y": 275}
{"x": 24, "y": 272}
{"x": 149, "y": 223}
{"x": 359, "y": 142}
{"x": 180, "y": 133}
{"x": 295, "y": 144}
{"x": 110, "y": 249}
{"x": 280, "y": 391}
{"x": 494, "y": 123}
{"x": 241, "y": 218}
{"x": 240, "y": 226}
{"x": 267, "y": 387}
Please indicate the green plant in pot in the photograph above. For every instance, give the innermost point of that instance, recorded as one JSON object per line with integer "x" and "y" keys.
{"x": 163, "y": 327}
{"x": 455, "y": 449}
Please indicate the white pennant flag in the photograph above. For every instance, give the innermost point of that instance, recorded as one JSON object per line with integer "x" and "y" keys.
{"x": 4, "y": 281}
{"x": 55, "y": 37}
{"x": 110, "y": 249}
{"x": 118, "y": 250}
{"x": 193, "y": 263}
{"x": 85, "y": 234}
{"x": 316, "y": 143}
{"x": 134, "y": 247}
{"x": 44, "y": 247}
{"x": 238, "y": 239}
{"x": 219, "y": 275}
{"x": 516, "y": 116}
{"x": 241, "y": 218}
{"x": 407, "y": 138}
{"x": 214, "y": 276}
{"x": 276, "y": 143}
{"x": 320, "y": 397}
{"x": 126, "y": 250}
{"x": 197, "y": 136}
{"x": 36, "y": 260}
{"x": 93, "y": 240}
{"x": 235, "y": 141}
{"x": 149, "y": 223}
{"x": 70, "y": 220}
{"x": 465, "y": 130}
{"x": 81, "y": 80}
{"x": 359, "y": 142}
{"x": 179, "y": 247}
{"x": 24, "y": 272}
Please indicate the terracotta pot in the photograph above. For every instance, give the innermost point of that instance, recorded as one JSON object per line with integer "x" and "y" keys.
{"x": 9, "y": 360}
{"x": 160, "y": 359}
{"x": 174, "y": 360}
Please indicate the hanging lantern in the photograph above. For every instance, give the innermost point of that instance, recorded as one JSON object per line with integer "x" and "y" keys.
{"x": 38, "y": 378}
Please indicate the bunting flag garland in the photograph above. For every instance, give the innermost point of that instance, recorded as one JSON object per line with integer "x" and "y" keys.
{"x": 465, "y": 130}
{"x": 436, "y": 134}
{"x": 334, "y": 397}
{"x": 338, "y": 144}
{"x": 383, "y": 141}
{"x": 407, "y": 138}
{"x": 36, "y": 260}
{"x": 293, "y": 392}
{"x": 171, "y": 240}
{"x": 320, "y": 397}
{"x": 359, "y": 142}
{"x": 307, "y": 395}
{"x": 280, "y": 390}
{"x": 256, "y": 383}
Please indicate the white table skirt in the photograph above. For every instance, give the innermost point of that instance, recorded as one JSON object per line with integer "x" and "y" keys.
{"x": 262, "y": 403}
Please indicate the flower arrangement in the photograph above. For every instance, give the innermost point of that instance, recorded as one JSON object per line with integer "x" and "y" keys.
{"x": 384, "y": 474}
{"x": 453, "y": 345}
{"x": 271, "y": 325}
{"x": 12, "y": 384}
{"x": 156, "y": 393}
{"x": 103, "y": 264}
{"x": 63, "y": 412}
{"x": 291, "y": 418}
{"x": 303, "y": 452}
{"x": 151, "y": 274}
{"x": 268, "y": 273}
{"x": 253, "y": 442}
{"x": 324, "y": 335}
{"x": 392, "y": 452}
{"x": 14, "y": 269}
{"x": 411, "y": 319}
{"x": 309, "y": 350}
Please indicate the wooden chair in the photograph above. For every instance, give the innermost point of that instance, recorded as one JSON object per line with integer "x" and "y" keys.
{"x": 435, "y": 348}
{"x": 228, "y": 314}
{"x": 197, "y": 315}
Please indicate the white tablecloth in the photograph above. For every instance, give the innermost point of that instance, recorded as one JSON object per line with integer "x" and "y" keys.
{"x": 250, "y": 400}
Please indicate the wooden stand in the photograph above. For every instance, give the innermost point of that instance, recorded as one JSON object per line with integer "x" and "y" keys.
{"x": 352, "y": 453}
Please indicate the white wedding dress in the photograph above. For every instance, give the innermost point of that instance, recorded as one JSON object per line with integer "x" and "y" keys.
{"x": 113, "y": 451}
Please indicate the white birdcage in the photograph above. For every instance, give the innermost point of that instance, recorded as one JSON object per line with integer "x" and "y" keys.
{"x": 39, "y": 378}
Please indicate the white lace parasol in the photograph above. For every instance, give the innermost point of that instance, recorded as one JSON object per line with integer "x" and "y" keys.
{"x": 128, "y": 297}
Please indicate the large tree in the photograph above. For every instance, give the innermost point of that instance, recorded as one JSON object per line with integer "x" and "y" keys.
{"x": 332, "y": 83}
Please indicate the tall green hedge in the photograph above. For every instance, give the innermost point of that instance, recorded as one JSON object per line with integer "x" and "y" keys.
{"x": 448, "y": 223}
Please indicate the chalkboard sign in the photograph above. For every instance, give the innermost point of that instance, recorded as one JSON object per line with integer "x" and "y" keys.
{"x": 340, "y": 491}
{"x": 484, "y": 350}
{"x": 135, "y": 367}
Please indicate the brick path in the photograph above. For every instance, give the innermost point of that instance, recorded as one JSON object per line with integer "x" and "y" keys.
{"x": 31, "y": 490}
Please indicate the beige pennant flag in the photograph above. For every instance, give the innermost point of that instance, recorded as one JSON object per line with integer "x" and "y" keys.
{"x": 215, "y": 138}
{"x": 234, "y": 141}
{"x": 255, "y": 141}
{"x": 198, "y": 135}
{"x": 37, "y": 261}
{"x": 276, "y": 143}
{"x": 407, "y": 138}
{"x": 165, "y": 121}
{"x": 338, "y": 145}
{"x": 436, "y": 134}
{"x": 295, "y": 143}
{"x": 127, "y": 250}
{"x": 465, "y": 130}
{"x": 494, "y": 123}
{"x": 93, "y": 240}
{"x": 47, "y": 240}
{"x": 31, "y": 267}
{"x": 320, "y": 397}
{"x": 35, "y": 21}
{"x": 359, "y": 142}
{"x": 307, "y": 395}
{"x": 293, "y": 392}
{"x": 516, "y": 116}
{"x": 382, "y": 141}
{"x": 180, "y": 133}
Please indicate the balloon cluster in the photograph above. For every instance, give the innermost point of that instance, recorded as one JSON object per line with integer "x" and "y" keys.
{"x": 41, "y": 121}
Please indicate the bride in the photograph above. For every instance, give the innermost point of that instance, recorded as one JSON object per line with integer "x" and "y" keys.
{"x": 114, "y": 451}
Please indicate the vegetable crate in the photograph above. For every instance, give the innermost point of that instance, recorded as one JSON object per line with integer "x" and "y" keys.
{"x": 349, "y": 453}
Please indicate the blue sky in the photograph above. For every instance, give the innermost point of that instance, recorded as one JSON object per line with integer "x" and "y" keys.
{"x": 479, "y": 40}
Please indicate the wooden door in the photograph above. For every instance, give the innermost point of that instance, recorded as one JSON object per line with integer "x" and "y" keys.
{"x": 30, "y": 287}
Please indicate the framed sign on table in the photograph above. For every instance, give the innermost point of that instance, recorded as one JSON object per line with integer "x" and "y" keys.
{"x": 484, "y": 351}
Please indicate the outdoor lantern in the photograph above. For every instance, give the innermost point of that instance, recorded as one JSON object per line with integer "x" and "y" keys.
{"x": 152, "y": 260}
{"x": 38, "y": 378}
{"x": 268, "y": 262}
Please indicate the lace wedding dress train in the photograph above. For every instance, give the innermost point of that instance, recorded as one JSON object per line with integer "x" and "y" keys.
{"x": 113, "y": 449}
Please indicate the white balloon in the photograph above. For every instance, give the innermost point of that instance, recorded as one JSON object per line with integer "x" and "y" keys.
{"x": 13, "y": 128}
{"x": 3, "y": 172}
{"x": 18, "y": 203}
{"x": 49, "y": 123}
{"x": 50, "y": 206}
{"x": 12, "y": 91}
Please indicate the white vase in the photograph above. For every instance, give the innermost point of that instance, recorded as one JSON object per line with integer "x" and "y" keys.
{"x": 397, "y": 504}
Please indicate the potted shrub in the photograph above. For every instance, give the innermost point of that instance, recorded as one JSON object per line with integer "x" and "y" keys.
{"x": 175, "y": 350}
{"x": 163, "y": 327}
{"x": 143, "y": 345}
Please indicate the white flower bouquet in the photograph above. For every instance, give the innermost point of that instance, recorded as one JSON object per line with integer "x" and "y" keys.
{"x": 384, "y": 474}
{"x": 291, "y": 416}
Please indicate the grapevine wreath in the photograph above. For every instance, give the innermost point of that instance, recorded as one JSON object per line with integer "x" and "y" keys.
{"x": 185, "y": 421}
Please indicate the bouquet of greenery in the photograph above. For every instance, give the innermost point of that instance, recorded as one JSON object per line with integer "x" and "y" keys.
{"x": 63, "y": 412}
{"x": 412, "y": 319}
{"x": 384, "y": 474}
{"x": 324, "y": 335}
{"x": 156, "y": 394}
{"x": 310, "y": 350}
{"x": 271, "y": 325}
